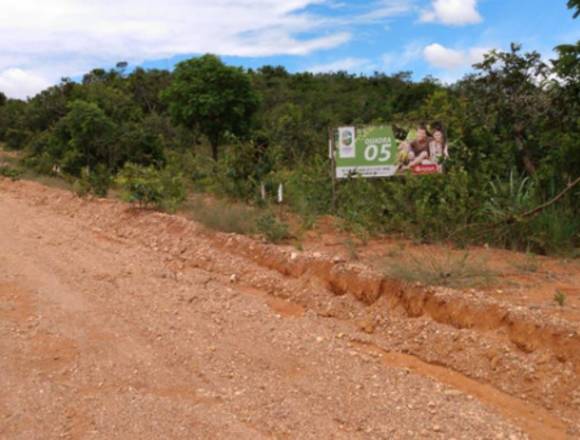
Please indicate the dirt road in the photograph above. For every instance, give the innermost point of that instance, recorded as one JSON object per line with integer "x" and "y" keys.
{"x": 109, "y": 330}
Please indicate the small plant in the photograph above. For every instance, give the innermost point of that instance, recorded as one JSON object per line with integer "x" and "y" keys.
{"x": 529, "y": 264}
{"x": 273, "y": 229}
{"x": 221, "y": 215}
{"x": 351, "y": 249}
{"x": 560, "y": 298}
{"x": 150, "y": 187}
{"x": 298, "y": 246}
{"x": 95, "y": 182}
{"x": 81, "y": 187}
{"x": 11, "y": 173}
{"x": 442, "y": 270}
{"x": 394, "y": 253}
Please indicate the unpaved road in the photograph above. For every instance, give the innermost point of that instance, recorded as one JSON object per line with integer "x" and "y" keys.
{"x": 106, "y": 336}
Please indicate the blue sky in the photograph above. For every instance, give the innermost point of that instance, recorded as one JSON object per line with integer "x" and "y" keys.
{"x": 40, "y": 42}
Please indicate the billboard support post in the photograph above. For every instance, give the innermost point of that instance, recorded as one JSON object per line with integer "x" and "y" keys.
{"x": 332, "y": 154}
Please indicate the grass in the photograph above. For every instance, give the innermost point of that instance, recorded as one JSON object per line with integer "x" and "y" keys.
{"x": 274, "y": 230}
{"x": 11, "y": 173}
{"x": 529, "y": 264}
{"x": 351, "y": 249}
{"x": 447, "y": 269}
{"x": 221, "y": 215}
{"x": 560, "y": 298}
{"x": 11, "y": 167}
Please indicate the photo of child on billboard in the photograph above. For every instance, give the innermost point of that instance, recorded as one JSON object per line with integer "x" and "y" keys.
{"x": 423, "y": 150}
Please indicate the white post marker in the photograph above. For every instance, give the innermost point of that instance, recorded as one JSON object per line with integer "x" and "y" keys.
{"x": 280, "y": 193}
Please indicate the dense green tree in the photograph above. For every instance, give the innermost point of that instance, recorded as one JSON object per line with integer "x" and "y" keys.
{"x": 574, "y": 4}
{"x": 3, "y": 99}
{"x": 215, "y": 98}
{"x": 12, "y": 119}
{"x": 48, "y": 106}
{"x": 509, "y": 99}
{"x": 84, "y": 138}
{"x": 146, "y": 87}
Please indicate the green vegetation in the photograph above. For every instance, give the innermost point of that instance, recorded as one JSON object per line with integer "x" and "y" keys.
{"x": 216, "y": 99}
{"x": 528, "y": 264}
{"x": 222, "y": 215}
{"x": 513, "y": 127}
{"x": 560, "y": 298}
{"x": 149, "y": 187}
{"x": 9, "y": 172}
{"x": 96, "y": 182}
{"x": 272, "y": 229}
{"x": 448, "y": 270}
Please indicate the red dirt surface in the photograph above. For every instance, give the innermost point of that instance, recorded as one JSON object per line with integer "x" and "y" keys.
{"x": 131, "y": 324}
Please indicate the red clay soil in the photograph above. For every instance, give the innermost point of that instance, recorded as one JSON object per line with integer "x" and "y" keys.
{"x": 131, "y": 324}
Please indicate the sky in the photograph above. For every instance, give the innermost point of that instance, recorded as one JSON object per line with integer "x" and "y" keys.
{"x": 42, "y": 41}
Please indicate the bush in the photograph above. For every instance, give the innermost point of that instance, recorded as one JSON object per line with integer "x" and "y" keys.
{"x": 16, "y": 139}
{"x": 96, "y": 182}
{"x": 244, "y": 166}
{"x": 84, "y": 137}
{"x": 150, "y": 187}
{"x": 308, "y": 188}
{"x": 442, "y": 269}
{"x": 223, "y": 215}
{"x": 361, "y": 206}
{"x": 9, "y": 172}
{"x": 273, "y": 229}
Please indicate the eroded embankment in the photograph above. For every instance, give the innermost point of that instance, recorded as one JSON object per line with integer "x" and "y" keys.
{"x": 524, "y": 329}
{"x": 529, "y": 331}
{"x": 535, "y": 420}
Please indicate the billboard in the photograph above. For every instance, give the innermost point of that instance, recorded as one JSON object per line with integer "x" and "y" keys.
{"x": 366, "y": 152}
{"x": 373, "y": 151}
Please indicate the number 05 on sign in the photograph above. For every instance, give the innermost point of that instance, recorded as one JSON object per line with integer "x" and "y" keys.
{"x": 365, "y": 152}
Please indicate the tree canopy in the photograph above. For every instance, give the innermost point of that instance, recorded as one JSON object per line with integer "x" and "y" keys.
{"x": 212, "y": 97}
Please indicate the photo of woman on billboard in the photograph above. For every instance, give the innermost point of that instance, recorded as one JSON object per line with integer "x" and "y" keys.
{"x": 424, "y": 153}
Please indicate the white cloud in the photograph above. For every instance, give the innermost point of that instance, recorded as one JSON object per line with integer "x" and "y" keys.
{"x": 393, "y": 61}
{"x": 53, "y": 38}
{"x": 451, "y": 59}
{"x": 387, "y": 8}
{"x": 452, "y": 12}
{"x": 18, "y": 83}
{"x": 355, "y": 65}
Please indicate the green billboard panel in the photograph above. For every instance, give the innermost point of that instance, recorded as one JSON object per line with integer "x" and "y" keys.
{"x": 365, "y": 152}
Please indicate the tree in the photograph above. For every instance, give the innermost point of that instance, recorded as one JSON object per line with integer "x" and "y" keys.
{"x": 212, "y": 97}
{"x": 574, "y": 4}
{"x": 3, "y": 99}
{"x": 83, "y": 138}
{"x": 510, "y": 97}
{"x": 146, "y": 87}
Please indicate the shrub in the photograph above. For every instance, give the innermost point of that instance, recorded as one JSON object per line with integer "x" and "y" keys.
{"x": 560, "y": 298}
{"x": 84, "y": 137}
{"x": 223, "y": 215}
{"x": 96, "y": 182}
{"x": 9, "y": 172}
{"x": 150, "y": 187}
{"x": 308, "y": 189}
{"x": 273, "y": 229}
{"x": 244, "y": 166}
{"x": 361, "y": 206}
{"x": 16, "y": 139}
{"x": 441, "y": 269}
